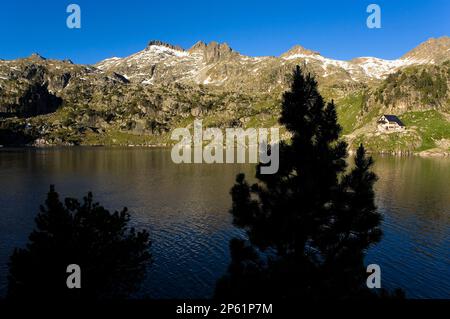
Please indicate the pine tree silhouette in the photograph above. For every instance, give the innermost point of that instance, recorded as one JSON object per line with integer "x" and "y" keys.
{"x": 310, "y": 224}
{"x": 112, "y": 256}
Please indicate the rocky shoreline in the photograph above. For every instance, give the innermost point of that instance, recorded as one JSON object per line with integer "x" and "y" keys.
{"x": 426, "y": 154}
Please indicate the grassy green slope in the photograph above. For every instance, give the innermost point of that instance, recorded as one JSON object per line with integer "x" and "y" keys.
{"x": 348, "y": 110}
{"x": 432, "y": 126}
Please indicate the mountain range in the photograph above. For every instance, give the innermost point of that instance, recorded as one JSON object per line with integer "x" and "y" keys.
{"x": 137, "y": 100}
{"x": 219, "y": 65}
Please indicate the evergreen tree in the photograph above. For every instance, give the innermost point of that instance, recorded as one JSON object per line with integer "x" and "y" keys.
{"x": 112, "y": 256}
{"x": 310, "y": 224}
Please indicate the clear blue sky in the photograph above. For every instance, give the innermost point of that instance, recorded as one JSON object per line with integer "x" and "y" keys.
{"x": 119, "y": 28}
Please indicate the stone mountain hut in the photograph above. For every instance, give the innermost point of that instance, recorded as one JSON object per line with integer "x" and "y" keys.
{"x": 390, "y": 123}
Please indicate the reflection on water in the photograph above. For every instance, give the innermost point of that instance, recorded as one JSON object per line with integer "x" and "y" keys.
{"x": 186, "y": 209}
{"x": 413, "y": 194}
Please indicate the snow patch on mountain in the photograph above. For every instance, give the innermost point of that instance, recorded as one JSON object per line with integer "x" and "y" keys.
{"x": 379, "y": 68}
{"x": 369, "y": 66}
{"x": 159, "y": 49}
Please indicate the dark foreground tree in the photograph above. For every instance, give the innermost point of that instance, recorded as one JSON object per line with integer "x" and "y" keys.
{"x": 112, "y": 256}
{"x": 310, "y": 224}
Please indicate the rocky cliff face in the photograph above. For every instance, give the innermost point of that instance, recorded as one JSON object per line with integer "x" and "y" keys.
{"x": 213, "y": 52}
{"x": 35, "y": 86}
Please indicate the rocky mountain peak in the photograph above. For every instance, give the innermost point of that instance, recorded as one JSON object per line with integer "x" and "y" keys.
{"x": 299, "y": 51}
{"x": 37, "y": 56}
{"x": 164, "y": 44}
{"x": 213, "y": 51}
{"x": 434, "y": 50}
{"x": 199, "y": 46}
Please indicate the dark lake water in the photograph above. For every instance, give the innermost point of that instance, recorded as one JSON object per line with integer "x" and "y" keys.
{"x": 185, "y": 207}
